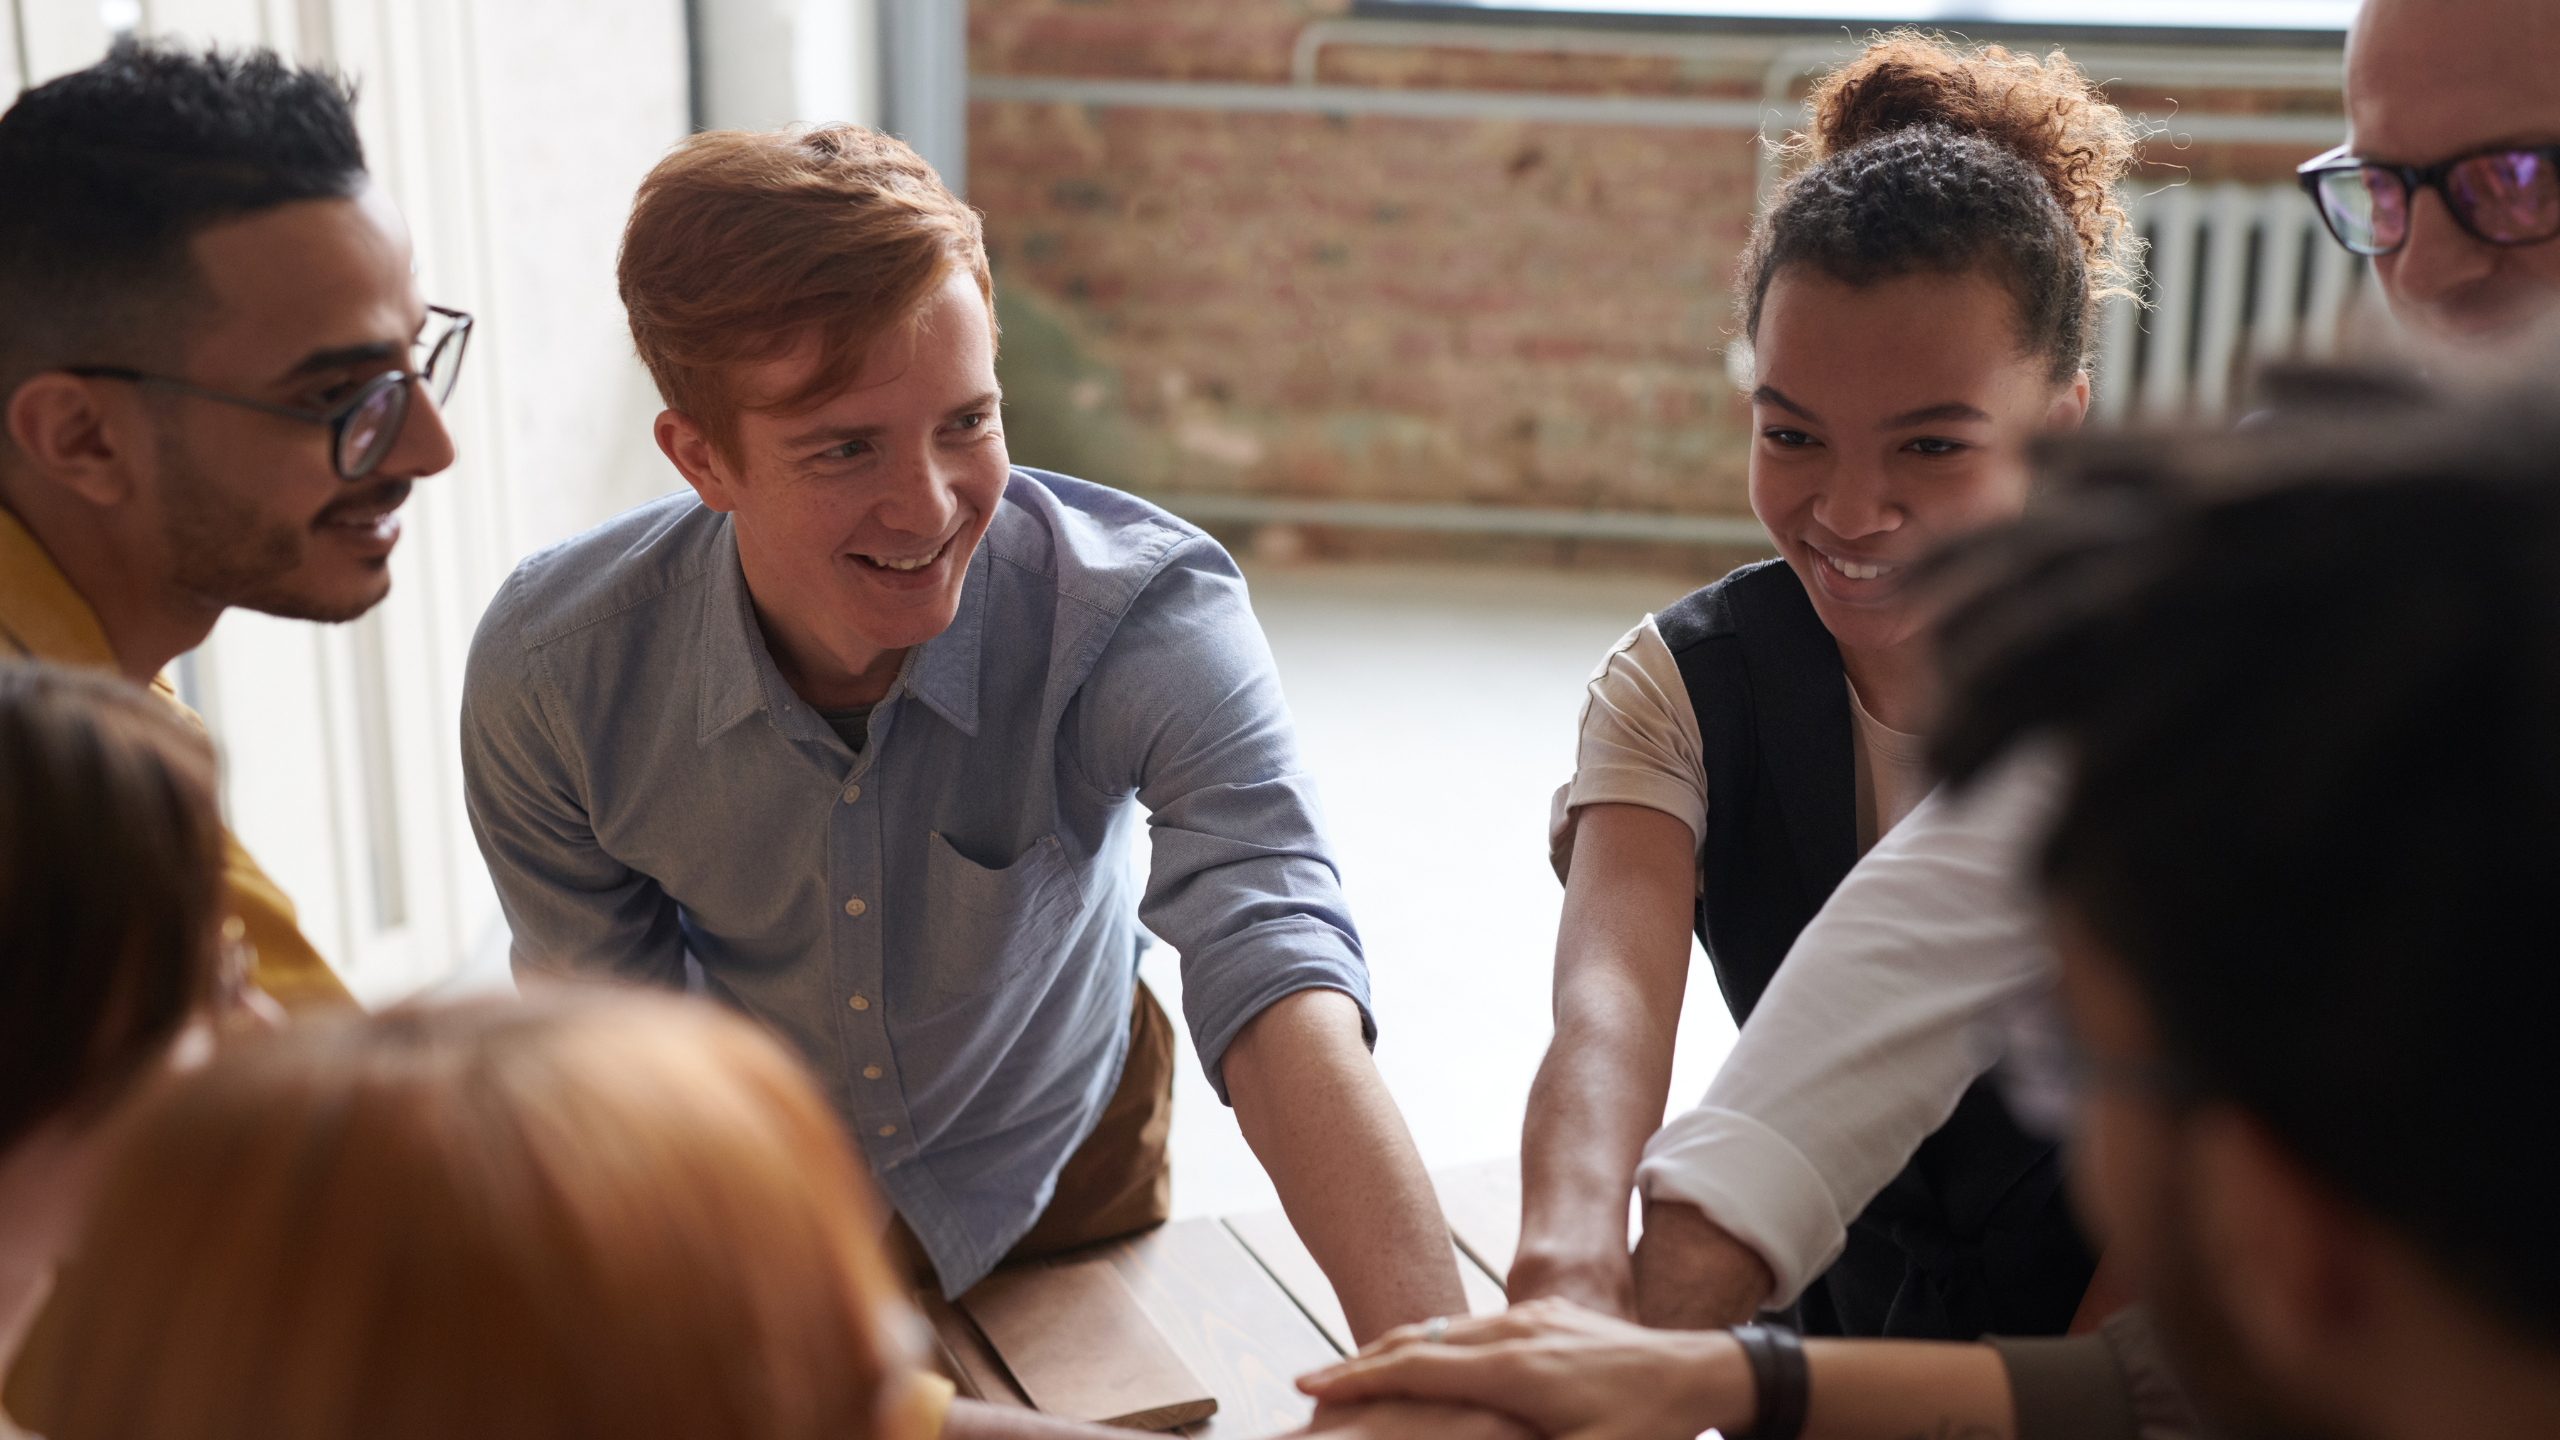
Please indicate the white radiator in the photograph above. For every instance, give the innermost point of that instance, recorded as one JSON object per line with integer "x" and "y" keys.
{"x": 2239, "y": 275}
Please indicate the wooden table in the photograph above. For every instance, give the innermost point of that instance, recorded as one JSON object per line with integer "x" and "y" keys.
{"x": 1243, "y": 1303}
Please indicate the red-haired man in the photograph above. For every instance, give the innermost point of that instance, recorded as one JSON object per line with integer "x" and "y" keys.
{"x": 861, "y": 726}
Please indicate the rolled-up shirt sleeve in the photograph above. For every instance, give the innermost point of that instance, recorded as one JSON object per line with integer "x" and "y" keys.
{"x": 1184, "y": 708}
{"x": 2113, "y": 1383}
{"x": 1889, "y": 1004}
{"x": 572, "y": 907}
{"x": 1636, "y": 744}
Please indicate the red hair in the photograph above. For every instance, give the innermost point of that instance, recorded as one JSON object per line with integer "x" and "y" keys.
{"x": 743, "y": 242}
{"x": 586, "y": 1215}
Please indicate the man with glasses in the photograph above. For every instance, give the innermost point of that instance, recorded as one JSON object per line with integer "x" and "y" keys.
{"x": 219, "y": 379}
{"x": 1887, "y": 1007}
{"x": 2448, "y": 181}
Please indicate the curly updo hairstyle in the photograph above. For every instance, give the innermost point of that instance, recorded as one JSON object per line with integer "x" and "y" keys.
{"x": 1928, "y": 157}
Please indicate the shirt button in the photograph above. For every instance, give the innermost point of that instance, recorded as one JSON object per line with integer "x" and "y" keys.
{"x": 852, "y": 793}
{"x": 861, "y": 1003}
{"x": 888, "y": 1130}
{"x": 855, "y": 906}
{"x": 870, "y": 1072}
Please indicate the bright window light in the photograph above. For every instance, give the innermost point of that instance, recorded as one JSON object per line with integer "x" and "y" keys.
{"x": 2309, "y": 15}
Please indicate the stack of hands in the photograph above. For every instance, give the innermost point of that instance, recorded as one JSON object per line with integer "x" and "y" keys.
{"x": 1544, "y": 1367}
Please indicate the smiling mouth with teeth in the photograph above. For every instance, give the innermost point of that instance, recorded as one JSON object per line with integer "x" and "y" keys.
{"x": 917, "y": 563}
{"x": 1856, "y": 571}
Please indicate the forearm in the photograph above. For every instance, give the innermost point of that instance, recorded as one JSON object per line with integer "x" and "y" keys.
{"x": 1906, "y": 1390}
{"x": 1312, "y": 1106}
{"x": 1597, "y": 1097}
{"x": 1693, "y": 1274}
{"x": 1622, "y": 963}
{"x": 1861, "y": 1390}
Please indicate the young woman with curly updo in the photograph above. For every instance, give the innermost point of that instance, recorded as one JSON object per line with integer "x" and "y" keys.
{"x": 1920, "y": 300}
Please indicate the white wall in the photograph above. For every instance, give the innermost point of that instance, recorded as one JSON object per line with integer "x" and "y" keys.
{"x": 770, "y": 63}
{"x": 899, "y": 65}
{"x": 924, "y": 84}
{"x": 512, "y": 135}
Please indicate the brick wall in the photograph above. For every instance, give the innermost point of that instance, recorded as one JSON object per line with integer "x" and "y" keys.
{"x": 1492, "y": 311}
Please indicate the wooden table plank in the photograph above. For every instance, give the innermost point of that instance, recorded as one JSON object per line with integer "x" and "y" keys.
{"x": 965, "y": 1356}
{"x": 1231, "y": 1323}
{"x": 1246, "y": 1307}
{"x": 1274, "y": 1242}
{"x": 1484, "y": 1293}
{"x": 1482, "y": 1204}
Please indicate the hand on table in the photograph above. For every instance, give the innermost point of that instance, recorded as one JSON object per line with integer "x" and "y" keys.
{"x": 1567, "y": 1371}
{"x": 1691, "y": 1274}
{"x": 1406, "y": 1420}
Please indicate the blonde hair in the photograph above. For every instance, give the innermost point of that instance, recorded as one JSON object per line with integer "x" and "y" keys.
{"x": 587, "y": 1214}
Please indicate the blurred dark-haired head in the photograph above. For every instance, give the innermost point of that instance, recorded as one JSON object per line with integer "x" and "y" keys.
{"x": 110, "y": 172}
{"x": 2305, "y": 680}
{"x": 111, "y": 888}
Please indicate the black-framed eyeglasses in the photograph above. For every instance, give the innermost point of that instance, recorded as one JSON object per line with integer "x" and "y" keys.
{"x": 2502, "y": 196}
{"x": 364, "y": 426}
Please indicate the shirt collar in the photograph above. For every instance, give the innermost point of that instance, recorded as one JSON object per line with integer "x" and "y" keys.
{"x": 731, "y": 641}
{"x": 942, "y": 672}
{"x": 40, "y": 614}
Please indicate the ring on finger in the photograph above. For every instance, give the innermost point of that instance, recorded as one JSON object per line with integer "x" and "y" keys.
{"x": 1436, "y": 1329}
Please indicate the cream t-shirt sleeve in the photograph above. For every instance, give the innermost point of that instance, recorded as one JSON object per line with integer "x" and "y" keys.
{"x": 1637, "y": 744}
{"x": 1887, "y": 1007}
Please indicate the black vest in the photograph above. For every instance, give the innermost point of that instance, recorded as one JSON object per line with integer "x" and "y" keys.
{"x": 1974, "y": 1236}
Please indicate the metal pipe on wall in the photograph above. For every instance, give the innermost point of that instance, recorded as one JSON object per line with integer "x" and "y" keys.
{"x": 924, "y": 82}
{"x": 764, "y": 64}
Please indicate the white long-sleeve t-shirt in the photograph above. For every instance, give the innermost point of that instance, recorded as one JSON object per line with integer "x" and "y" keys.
{"x": 1888, "y": 1005}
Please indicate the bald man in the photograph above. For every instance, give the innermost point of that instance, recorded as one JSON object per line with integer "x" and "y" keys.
{"x": 2434, "y": 80}
{"x": 1890, "y": 1003}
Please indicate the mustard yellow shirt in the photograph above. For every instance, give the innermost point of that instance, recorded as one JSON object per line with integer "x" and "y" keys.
{"x": 43, "y": 618}
{"x": 926, "y": 1410}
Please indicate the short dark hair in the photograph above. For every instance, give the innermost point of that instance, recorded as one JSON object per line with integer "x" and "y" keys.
{"x": 2307, "y": 680}
{"x": 111, "y": 886}
{"x": 111, "y": 171}
{"x": 1928, "y": 156}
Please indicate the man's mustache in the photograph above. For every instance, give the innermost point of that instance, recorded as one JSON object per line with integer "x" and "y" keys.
{"x": 379, "y": 496}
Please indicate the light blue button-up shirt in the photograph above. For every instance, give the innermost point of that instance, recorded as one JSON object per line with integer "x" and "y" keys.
{"x": 944, "y": 924}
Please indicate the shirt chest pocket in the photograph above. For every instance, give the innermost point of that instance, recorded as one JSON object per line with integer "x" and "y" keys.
{"x": 991, "y": 926}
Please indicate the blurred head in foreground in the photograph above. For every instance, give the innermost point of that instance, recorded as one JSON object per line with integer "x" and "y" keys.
{"x": 586, "y": 1214}
{"x": 111, "y": 900}
{"x": 2306, "y": 684}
